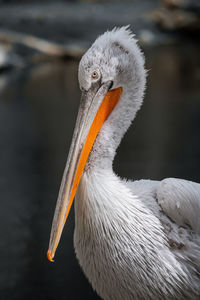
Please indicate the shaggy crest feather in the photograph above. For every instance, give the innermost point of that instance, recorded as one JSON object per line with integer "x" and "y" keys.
{"x": 125, "y": 239}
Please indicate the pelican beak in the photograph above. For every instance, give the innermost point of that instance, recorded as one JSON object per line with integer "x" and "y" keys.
{"x": 96, "y": 105}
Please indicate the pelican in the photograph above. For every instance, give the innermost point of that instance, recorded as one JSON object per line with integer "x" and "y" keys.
{"x": 133, "y": 240}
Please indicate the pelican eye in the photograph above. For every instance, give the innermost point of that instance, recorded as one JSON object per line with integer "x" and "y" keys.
{"x": 95, "y": 75}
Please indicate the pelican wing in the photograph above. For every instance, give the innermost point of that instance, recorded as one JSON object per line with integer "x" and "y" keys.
{"x": 180, "y": 201}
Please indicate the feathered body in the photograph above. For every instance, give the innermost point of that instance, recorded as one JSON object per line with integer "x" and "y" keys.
{"x": 127, "y": 247}
{"x": 133, "y": 240}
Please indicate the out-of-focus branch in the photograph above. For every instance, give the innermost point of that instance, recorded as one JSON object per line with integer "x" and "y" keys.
{"x": 41, "y": 45}
{"x": 178, "y": 15}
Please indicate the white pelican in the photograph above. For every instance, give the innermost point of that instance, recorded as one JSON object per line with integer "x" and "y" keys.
{"x": 133, "y": 240}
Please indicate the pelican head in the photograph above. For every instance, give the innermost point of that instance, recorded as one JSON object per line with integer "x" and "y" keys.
{"x": 112, "y": 79}
{"x": 115, "y": 58}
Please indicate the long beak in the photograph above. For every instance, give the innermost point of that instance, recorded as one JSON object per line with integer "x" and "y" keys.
{"x": 95, "y": 107}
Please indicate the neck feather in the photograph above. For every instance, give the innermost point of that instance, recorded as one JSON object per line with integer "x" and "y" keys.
{"x": 114, "y": 128}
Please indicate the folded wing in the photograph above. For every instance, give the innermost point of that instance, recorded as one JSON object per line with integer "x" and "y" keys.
{"x": 180, "y": 201}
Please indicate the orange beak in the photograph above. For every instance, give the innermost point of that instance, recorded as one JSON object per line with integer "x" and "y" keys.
{"x": 94, "y": 109}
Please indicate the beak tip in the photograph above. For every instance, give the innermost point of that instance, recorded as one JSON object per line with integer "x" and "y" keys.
{"x": 49, "y": 256}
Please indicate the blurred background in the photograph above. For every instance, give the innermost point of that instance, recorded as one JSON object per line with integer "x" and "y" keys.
{"x": 41, "y": 43}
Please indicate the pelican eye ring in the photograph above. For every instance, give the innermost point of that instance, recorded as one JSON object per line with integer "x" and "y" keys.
{"x": 95, "y": 75}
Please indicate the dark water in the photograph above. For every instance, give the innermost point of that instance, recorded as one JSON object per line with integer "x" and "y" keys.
{"x": 37, "y": 114}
